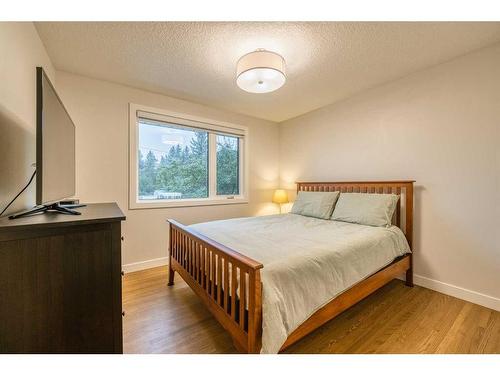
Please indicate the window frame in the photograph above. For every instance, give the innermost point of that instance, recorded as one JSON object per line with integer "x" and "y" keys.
{"x": 189, "y": 121}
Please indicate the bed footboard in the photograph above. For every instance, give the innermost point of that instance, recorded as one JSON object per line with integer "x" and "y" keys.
{"x": 226, "y": 281}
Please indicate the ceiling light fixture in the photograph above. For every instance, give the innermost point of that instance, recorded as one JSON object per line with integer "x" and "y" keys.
{"x": 260, "y": 71}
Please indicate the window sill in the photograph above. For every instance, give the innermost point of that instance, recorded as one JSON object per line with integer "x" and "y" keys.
{"x": 185, "y": 203}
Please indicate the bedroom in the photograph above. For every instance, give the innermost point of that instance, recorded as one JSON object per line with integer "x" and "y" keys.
{"x": 302, "y": 187}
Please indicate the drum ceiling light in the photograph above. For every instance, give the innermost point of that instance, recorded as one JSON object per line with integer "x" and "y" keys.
{"x": 260, "y": 71}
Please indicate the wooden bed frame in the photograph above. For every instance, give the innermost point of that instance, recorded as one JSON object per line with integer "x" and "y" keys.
{"x": 205, "y": 265}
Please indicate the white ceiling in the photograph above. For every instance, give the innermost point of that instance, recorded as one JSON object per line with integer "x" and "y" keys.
{"x": 196, "y": 61}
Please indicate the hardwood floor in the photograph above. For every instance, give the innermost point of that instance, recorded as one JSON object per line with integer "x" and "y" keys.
{"x": 395, "y": 319}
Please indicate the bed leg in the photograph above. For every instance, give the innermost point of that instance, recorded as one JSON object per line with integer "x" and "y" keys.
{"x": 171, "y": 272}
{"x": 409, "y": 274}
{"x": 409, "y": 278}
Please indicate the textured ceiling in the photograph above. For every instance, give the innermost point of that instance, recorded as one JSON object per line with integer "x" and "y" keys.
{"x": 196, "y": 61}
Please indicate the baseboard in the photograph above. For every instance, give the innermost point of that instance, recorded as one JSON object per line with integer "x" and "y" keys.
{"x": 458, "y": 292}
{"x": 139, "y": 266}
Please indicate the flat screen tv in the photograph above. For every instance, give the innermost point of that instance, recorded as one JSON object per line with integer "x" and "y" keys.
{"x": 55, "y": 152}
{"x": 55, "y": 145}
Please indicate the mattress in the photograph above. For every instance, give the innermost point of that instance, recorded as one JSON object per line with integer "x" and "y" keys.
{"x": 307, "y": 262}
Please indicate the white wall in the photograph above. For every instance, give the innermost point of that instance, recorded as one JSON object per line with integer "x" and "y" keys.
{"x": 440, "y": 127}
{"x": 100, "y": 112}
{"x": 21, "y": 50}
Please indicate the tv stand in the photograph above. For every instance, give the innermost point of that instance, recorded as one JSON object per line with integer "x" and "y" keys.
{"x": 68, "y": 210}
{"x": 61, "y": 282}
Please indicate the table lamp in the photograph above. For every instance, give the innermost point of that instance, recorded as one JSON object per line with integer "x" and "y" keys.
{"x": 280, "y": 196}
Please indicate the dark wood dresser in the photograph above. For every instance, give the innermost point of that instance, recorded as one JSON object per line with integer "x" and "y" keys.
{"x": 60, "y": 282}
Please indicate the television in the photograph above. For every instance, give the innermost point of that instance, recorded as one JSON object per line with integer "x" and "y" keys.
{"x": 55, "y": 145}
{"x": 55, "y": 152}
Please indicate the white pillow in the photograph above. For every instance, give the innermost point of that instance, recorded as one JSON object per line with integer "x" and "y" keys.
{"x": 367, "y": 209}
{"x": 315, "y": 203}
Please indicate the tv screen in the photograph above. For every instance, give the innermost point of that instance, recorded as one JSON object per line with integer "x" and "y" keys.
{"x": 55, "y": 145}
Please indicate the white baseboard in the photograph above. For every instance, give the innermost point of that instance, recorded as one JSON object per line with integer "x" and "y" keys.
{"x": 139, "y": 266}
{"x": 458, "y": 292}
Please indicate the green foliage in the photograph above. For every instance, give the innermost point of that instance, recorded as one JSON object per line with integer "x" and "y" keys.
{"x": 147, "y": 174}
{"x": 185, "y": 170}
{"x": 227, "y": 166}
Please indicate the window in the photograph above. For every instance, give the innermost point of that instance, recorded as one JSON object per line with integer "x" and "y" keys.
{"x": 172, "y": 162}
{"x": 179, "y": 160}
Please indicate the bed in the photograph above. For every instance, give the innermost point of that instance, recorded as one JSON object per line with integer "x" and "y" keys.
{"x": 272, "y": 280}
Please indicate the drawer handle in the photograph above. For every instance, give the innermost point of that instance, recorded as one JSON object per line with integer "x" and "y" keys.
{"x": 123, "y": 273}
{"x": 123, "y": 313}
{"x": 122, "y": 238}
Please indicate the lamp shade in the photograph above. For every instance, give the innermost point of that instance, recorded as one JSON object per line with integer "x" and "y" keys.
{"x": 260, "y": 71}
{"x": 280, "y": 196}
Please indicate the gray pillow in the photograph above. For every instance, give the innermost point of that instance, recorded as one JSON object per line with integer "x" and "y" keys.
{"x": 315, "y": 203}
{"x": 367, "y": 209}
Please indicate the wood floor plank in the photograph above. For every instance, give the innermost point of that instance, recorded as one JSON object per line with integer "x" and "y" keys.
{"x": 490, "y": 342}
{"x": 351, "y": 326}
{"x": 380, "y": 330}
{"x": 467, "y": 331}
{"x": 426, "y": 326}
{"x": 395, "y": 319}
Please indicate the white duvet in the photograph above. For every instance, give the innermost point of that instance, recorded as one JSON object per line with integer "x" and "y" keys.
{"x": 307, "y": 262}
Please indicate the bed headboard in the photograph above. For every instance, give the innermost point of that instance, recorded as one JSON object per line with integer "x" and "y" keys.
{"x": 403, "y": 216}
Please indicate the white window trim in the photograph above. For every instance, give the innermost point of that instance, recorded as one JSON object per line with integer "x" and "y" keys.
{"x": 206, "y": 123}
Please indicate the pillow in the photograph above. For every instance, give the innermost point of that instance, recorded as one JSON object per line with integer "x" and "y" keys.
{"x": 315, "y": 203}
{"x": 367, "y": 209}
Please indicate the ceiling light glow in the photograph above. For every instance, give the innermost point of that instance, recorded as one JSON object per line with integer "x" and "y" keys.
{"x": 260, "y": 71}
